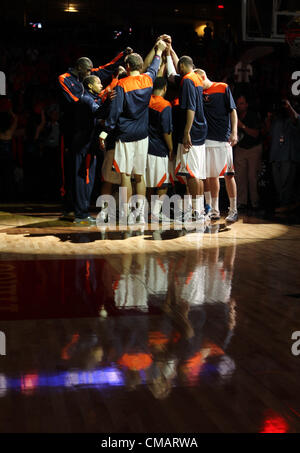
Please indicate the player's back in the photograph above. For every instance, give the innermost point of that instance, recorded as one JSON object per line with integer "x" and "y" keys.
{"x": 218, "y": 103}
{"x": 191, "y": 97}
{"x": 133, "y": 121}
{"x": 160, "y": 122}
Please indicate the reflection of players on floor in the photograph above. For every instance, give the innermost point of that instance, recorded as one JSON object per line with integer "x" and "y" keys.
{"x": 167, "y": 321}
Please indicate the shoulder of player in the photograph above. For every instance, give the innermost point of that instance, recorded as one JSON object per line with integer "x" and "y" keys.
{"x": 159, "y": 104}
{"x": 192, "y": 78}
{"x": 130, "y": 83}
{"x": 87, "y": 98}
{"x": 63, "y": 77}
{"x": 216, "y": 87}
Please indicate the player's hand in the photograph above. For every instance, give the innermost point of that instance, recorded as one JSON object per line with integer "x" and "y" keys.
{"x": 128, "y": 51}
{"x": 233, "y": 139}
{"x": 102, "y": 144}
{"x": 171, "y": 155}
{"x": 166, "y": 38}
{"x": 160, "y": 46}
{"x": 112, "y": 94}
{"x": 187, "y": 141}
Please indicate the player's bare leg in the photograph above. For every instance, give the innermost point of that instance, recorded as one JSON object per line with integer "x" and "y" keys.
{"x": 196, "y": 189}
{"x": 232, "y": 195}
{"x": 214, "y": 184}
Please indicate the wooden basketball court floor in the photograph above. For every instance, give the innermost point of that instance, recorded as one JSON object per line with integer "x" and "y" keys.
{"x": 148, "y": 331}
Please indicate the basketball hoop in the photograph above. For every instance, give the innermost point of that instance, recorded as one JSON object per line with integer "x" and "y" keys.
{"x": 292, "y": 37}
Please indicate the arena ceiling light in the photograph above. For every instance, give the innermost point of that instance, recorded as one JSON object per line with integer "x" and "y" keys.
{"x": 71, "y": 8}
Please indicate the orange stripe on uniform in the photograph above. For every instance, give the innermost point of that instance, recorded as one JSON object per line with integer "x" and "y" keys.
{"x": 195, "y": 79}
{"x": 223, "y": 171}
{"x": 132, "y": 83}
{"x": 189, "y": 278}
{"x": 104, "y": 93}
{"x": 87, "y": 166}
{"x": 190, "y": 171}
{"x": 180, "y": 179}
{"x": 158, "y": 103}
{"x": 217, "y": 87}
{"x": 162, "y": 180}
{"x": 175, "y": 102}
{"x": 116, "y": 166}
{"x": 118, "y": 57}
{"x": 61, "y": 80}
{"x": 136, "y": 362}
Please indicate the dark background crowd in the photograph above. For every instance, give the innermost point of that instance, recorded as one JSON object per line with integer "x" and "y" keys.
{"x": 33, "y": 57}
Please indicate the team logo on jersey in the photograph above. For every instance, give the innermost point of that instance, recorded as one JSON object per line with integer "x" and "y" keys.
{"x": 206, "y": 98}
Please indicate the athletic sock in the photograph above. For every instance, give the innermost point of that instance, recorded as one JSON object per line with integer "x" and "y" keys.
{"x": 157, "y": 207}
{"x": 198, "y": 204}
{"x": 208, "y": 198}
{"x": 233, "y": 204}
{"x": 188, "y": 203}
{"x": 125, "y": 209}
{"x": 215, "y": 204}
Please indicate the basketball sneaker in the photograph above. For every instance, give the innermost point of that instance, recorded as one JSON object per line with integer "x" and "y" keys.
{"x": 232, "y": 216}
{"x": 215, "y": 215}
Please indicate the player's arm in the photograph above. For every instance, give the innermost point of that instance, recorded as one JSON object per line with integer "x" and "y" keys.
{"x": 187, "y": 142}
{"x": 166, "y": 123}
{"x": 171, "y": 71}
{"x": 92, "y": 105}
{"x": 66, "y": 87}
{"x": 169, "y": 142}
{"x": 154, "y": 67}
{"x": 231, "y": 107}
{"x": 116, "y": 108}
{"x": 106, "y": 71}
{"x": 188, "y": 103}
{"x": 151, "y": 54}
{"x": 149, "y": 58}
{"x": 174, "y": 56}
{"x": 234, "y": 122}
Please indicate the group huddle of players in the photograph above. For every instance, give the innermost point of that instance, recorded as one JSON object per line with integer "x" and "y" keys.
{"x": 149, "y": 142}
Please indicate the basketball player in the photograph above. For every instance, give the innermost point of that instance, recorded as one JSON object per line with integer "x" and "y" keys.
{"x": 190, "y": 160}
{"x": 85, "y": 145}
{"x": 160, "y": 145}
{"x": 128, "y": 118}
{"x": 221, "y": 116}
{"x": 71, "y": 90}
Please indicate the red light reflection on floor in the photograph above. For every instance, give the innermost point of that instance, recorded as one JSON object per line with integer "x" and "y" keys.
{"x": 274, "y": 423}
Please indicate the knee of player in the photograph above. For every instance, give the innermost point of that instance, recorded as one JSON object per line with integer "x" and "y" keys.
{"x": 138, "y": 178}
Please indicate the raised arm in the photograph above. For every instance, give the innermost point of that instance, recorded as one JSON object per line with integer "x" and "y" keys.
{"x": 153, "y": 68}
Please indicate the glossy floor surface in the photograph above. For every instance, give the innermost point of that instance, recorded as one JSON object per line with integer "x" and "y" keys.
{"x": 148, "y": 331}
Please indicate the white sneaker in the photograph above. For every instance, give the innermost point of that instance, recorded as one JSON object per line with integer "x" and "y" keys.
{"x": 131, "y": 219}
{"x": 140, "y": 219}
{"x": 102, "y": 217}
{"x": 215, "y": 215}
{"x": 199, "y": 216}
{"x": 232, "y": 216}
{"x": 161, "y": 218}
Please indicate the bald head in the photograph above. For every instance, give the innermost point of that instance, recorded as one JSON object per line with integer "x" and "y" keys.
{"x": 84, "y": 66}
{"x": 205, "y": 80}
{"x": 185, "y": 65}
